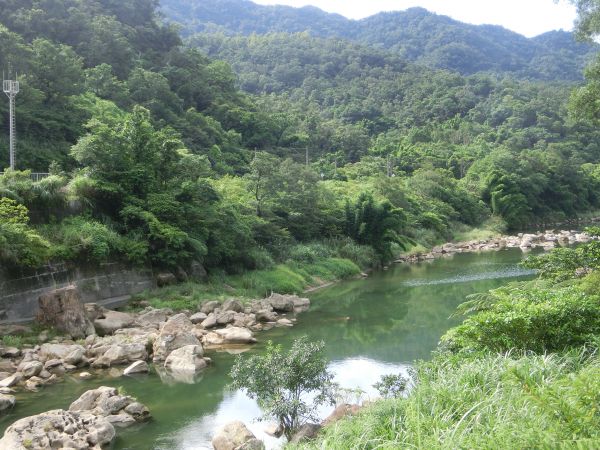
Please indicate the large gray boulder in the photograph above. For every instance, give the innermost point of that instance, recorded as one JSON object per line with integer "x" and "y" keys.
{"x": 106, "y": 401}
{"x": 282, "y": 303}
{"x": 112, "y": 321}
{"x": 119, "y": 354}
{"x": 63, "y": 310}
{"x": 235, "y": 435}
{"x": 177, "y": 332}
{"x": 58, "y": 429}
{"x": 153, "y": 318}
{"x": 59, "y": 351}
{"x": 231, "y": 335}
{"x": 186, "y": 360}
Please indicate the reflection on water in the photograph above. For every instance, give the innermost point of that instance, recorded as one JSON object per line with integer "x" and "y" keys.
{"x": 371, "y": 327}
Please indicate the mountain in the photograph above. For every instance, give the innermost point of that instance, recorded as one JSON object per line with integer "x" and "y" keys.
{"x": 415, "y": 34}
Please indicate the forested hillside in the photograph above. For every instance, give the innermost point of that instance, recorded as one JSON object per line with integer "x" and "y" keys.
{"x": 333, "y": 149}
{"x": 415, "y": 35}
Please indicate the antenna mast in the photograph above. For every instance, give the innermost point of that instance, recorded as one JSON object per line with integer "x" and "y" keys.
{"x": 11, "y": 89}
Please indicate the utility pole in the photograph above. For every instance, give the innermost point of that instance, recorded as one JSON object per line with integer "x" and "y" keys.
{"x": 11, "y": 89}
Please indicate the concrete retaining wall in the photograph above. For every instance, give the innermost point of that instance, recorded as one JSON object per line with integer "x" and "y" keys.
{"x": 110, "y": 285}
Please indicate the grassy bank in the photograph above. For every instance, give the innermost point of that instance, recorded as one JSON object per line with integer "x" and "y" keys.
{"x": 493, "y": 401}
{"x": 294, "y": 277}
{"x": 522, "y": 371}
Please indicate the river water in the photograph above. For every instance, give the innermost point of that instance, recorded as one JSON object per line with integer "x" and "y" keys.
{"x": 371, "y": 327}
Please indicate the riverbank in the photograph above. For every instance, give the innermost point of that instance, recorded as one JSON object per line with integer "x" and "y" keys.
{"x": 522, "y": 370}
{"x": 525, "y": 241}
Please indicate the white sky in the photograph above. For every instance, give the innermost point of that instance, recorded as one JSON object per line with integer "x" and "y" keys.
{"x": 527, "y": 17}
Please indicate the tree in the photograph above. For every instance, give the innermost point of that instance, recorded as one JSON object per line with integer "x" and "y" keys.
{"x": 282, "y": 382}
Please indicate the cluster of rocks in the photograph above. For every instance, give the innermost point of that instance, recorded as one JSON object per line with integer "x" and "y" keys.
{"x": 174, "y": 342}
{"x": 546, "y": 240}
{"x": 89, "y": 423}
{"x": 236, "y": 435}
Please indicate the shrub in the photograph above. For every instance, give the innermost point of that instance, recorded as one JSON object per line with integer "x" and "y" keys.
{"x": 20, "y": 246}
{"x": 281, "y": 382}
{"x": 538, "y": 320}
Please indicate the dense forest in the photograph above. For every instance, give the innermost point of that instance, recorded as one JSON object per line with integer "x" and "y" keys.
{"x": 415, "y": 35}
{"x": 243, "y": 152}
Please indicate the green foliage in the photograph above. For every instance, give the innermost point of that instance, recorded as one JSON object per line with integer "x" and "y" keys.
{"x": 375, "y": 224}
{"x": 20, "y": 246}
{"x": 281, "y": 381}
{"x": 565, "y": 263}
{"x": 491, "y": 401}
{"x": 533, "y": 319}
{"x": 391, "y": 386}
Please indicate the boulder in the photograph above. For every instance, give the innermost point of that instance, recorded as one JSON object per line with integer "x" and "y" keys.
{"x": 225, "y": 317}
{"x": 285, "y": 322}
{"x": 30, "y": 369}
{"x": 6, "y": 402}
{"x": 186, "y": 360}
{"x": 63, "y": 310}
{"x": 58, "y": 429}
{"x": 153, "y": 317}
{"x": 265, "y": 315}
{"x": 197, "y": 272}
{"x": 282, "y": 303}
{"x": 232, "y": 305}
{"x": 121, "y": 354}
{"x": 11, "y": 381}
{"x": 306, "y": 432}
{"x": 198, "y": 318}
{"x": 301, "y": 303}
{"x": 209, "y": 307}
{"x": 210, "y": 321}
{"x": 165, "y": 279}
{"x": 340, "y": 412}
{"x": 137, "y": 367}
{"x": 231, "y": 335}
{"x": 11, "y": 352}
{"x": 174, "y": 334}
{"x": 106, "y": 401}
{"x": 232, "y": 436}
{"x": 112, "y": 321}
{"x": 75, "y": 357}
{"x": 59, "y": 351}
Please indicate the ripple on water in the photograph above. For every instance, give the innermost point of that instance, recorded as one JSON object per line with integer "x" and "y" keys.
{"x": 512, "y": 272}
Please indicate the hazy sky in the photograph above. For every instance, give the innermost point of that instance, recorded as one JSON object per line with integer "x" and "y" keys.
{"x": 528, "y": 17}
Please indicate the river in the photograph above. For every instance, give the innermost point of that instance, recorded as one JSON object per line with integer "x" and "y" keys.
{"x": 371, "y": 327}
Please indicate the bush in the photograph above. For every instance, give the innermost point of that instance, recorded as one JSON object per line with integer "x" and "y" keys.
{"x": 539, "y": 320}
{"x": 80, "y": 239}
{"x": 20, "y": 246}
{"x": 565, "y": 263}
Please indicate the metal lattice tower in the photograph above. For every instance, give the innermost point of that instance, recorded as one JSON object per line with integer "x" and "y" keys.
{"x": 11, "y": 89}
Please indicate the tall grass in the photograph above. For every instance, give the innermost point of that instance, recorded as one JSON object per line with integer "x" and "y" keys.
{"x": 491, "y": 402}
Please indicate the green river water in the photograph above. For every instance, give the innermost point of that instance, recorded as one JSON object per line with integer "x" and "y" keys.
{"x": 371, "y": 327}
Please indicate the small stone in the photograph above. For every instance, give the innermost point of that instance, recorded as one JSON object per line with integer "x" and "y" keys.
{"x": 85, "y": 375}
{"x": 285, "y": 322}
{"x": 209, "y": 322}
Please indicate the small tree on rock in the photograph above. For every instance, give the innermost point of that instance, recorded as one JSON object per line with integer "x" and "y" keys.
{"x": 289, "y": 386}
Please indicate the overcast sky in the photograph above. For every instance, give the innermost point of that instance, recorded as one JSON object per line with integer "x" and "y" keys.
{"x": 528, "y": 17}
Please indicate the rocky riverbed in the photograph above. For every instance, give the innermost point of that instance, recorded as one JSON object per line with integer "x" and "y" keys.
{"x": 175, "y": 342}
{"x": 525, "y": 241}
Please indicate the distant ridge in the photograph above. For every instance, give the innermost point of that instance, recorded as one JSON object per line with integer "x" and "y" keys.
{"x": 415, "y": 34}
